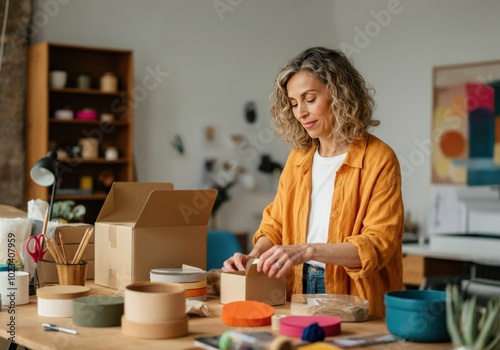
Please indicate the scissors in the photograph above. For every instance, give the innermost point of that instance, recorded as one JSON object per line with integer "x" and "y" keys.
{"x": 37, "y": 252}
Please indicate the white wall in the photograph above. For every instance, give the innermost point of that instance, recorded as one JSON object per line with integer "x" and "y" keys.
{"x": 398, "y": 60}
{"x": 215, "y": 66}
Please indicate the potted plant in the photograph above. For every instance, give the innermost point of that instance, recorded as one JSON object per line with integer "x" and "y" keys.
{"x": 67, "y": 211}
{"x": 471, "y": 326}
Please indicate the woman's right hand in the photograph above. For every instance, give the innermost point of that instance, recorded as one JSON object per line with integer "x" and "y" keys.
{"x": 236, "y": 263}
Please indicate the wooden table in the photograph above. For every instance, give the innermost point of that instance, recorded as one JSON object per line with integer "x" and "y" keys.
{"x": 29, "y": 331}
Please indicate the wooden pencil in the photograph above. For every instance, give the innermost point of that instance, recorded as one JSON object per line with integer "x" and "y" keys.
{"x": 53, "y": 251}
{"x": 84, "y": 246}
{"x": 58, "y": 252}
{"x": 79, "y": 247}
{"x": 65, "y": 259}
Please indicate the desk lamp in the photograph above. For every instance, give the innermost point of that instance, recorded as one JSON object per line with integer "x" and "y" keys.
{"x": 44, "y": 173}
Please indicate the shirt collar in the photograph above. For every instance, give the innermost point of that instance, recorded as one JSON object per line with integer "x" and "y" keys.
{"x": 356, "y": 153}
{"x": 354, "y": 157}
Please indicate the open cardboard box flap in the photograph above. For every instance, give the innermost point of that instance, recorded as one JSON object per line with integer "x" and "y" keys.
{"x": 156, "y": 204}
{"x": 125, "y": 201}
{"x": 177, "y": 208}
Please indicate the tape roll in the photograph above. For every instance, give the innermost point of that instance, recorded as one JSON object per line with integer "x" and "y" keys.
{"x": 173, "y": 329}
{"x": 281, "y": 343}
{"x": 98, "y": 311}
{"x": 149, "y": 302}
{"x": 177, "y": 275}
{"x": 275, "y": 321}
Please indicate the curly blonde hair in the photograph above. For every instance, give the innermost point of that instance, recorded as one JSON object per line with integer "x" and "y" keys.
{"x": 352, "y": 101}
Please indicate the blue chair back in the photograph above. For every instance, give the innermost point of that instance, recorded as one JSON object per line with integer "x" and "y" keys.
{"x": 221, "y": 245}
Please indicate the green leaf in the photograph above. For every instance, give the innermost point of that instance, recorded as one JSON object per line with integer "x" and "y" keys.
{"x": 452, "y": 318}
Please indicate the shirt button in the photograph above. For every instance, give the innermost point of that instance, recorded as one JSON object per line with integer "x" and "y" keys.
{"x": 335, "y": 213}
{"x": 339, "y": 183}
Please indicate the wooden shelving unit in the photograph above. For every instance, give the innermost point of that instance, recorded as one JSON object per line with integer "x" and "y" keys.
{"x": 45, "y": 133}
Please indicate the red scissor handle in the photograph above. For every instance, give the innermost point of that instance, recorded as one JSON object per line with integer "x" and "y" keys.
{"x": 37, "y": 252}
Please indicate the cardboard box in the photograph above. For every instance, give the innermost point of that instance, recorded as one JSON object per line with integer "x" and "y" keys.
{"x": 7, "y": 211}
{"x": 143, "y": 226}
{"x": 72, "y": 235}
{"x": 252, "y": 285}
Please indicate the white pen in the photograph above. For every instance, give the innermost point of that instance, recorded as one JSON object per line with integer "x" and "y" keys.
{"x": 53, "y": 327}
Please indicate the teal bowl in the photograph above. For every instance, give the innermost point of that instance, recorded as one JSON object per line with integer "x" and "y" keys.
{"x": 417, "y": 315}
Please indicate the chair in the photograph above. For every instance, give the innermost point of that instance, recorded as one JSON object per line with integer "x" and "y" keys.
{"x": 220, "y": 246}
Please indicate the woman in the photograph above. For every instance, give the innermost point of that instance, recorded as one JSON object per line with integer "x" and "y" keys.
{"x": 336, "y": 222}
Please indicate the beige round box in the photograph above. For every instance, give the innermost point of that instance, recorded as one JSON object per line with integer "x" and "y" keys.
{"x": 148, "y": 302}
{"x": 57, "y": 301}
{"x": 154, "y": 311}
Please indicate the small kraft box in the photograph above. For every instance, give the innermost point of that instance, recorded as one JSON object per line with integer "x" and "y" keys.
{"x": 72, "y": 235}
{"x": 143, "y": 226}
{"x": 252, "y": 285}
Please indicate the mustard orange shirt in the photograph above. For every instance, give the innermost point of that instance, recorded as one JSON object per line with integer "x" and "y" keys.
{"x": 367, "y": 211}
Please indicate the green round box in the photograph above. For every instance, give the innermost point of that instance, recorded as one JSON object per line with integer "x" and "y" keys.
{"x": 97, "y": 311}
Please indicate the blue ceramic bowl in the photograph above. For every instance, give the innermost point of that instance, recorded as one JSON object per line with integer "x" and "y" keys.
{"x": 417, "y": 315}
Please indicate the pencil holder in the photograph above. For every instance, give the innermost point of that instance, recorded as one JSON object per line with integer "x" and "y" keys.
{"x": 72, "y": 274}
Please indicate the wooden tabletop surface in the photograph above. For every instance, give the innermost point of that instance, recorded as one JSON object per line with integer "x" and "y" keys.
{"x": 28, "y": 330}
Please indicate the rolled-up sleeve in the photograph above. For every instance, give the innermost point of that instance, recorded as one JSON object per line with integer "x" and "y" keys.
{"x": 381, "y": 233}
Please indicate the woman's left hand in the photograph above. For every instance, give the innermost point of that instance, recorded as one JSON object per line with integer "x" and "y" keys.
{"x": 277, "y": 260}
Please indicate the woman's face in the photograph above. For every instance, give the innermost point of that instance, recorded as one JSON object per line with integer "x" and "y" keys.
{"x": 311, "y": 104}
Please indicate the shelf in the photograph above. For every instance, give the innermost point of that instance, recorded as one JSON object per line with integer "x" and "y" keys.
{"x": 44, "y": 132}
{"x": 81, "y": 197}
{"x": 87, "y": 122}
{"x": 93, "y": 161}
{"x": 88, "y": 92}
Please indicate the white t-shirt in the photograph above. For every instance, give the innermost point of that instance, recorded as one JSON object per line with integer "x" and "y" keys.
{"x": 323, "y": 180}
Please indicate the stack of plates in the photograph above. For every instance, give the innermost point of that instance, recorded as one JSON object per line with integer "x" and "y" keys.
{"x": 192, "y": 279}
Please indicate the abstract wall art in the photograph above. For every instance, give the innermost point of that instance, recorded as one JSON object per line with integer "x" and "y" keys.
{"x": 465, "y": 137}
